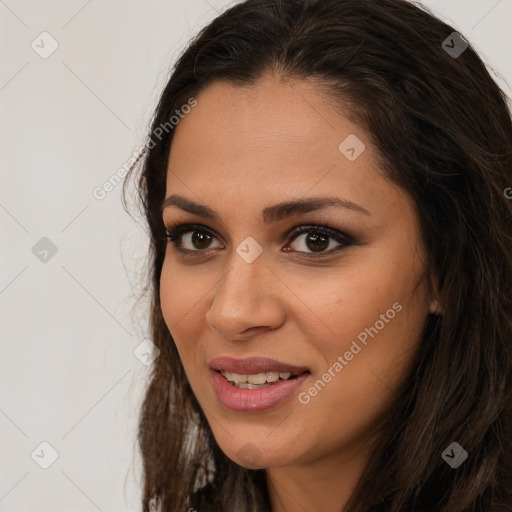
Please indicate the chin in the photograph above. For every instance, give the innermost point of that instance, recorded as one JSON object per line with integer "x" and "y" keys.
{"x": 252, "y": 453}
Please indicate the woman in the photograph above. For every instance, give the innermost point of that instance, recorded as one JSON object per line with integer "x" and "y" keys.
{"x": 331, "y": 267}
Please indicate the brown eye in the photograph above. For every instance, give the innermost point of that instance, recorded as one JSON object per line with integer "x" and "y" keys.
{"x": 316, "y": 242}
{"x": 319, "y": 239}
{"x": 200, "y": 240}
{"x": 190, "y": 238}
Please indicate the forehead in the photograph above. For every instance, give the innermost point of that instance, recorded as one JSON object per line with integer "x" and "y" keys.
{"x": 269, "y": 115}
{"x": 270, "y": 123}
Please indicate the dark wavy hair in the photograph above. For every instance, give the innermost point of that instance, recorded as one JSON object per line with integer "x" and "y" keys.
{"x": 442, "y": 129}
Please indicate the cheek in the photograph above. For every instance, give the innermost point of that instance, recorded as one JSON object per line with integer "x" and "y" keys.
{"x": 179, "y": 293}
{"x": 340, "y": 307}
{"x": 180, "y": 302}
{"x": 373, "y": 319}
{"x": 359, "y": 379}
{"x": 366, "y": 291}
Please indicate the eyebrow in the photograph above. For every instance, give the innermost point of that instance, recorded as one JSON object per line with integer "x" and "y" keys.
{"x": 270, "y": 214}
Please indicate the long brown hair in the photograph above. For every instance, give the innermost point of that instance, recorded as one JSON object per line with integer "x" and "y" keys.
{"x": 443, "y": 132}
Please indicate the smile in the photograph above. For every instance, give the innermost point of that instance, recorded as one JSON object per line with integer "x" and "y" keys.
{"x": 255, "y": 384}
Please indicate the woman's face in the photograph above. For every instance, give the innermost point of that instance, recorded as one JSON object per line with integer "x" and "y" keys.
{"x": 343, "y": 310}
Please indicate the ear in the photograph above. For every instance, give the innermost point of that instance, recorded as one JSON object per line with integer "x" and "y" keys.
{"x": 435, "y": 306}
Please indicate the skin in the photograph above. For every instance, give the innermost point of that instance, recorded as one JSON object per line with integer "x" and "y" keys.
{"x": 241, "y": 150}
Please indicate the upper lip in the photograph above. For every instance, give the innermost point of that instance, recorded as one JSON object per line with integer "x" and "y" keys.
{"x": 252, "y": 365}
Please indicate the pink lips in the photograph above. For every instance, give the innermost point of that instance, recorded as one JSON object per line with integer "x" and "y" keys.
{"x": 254, "y": 400}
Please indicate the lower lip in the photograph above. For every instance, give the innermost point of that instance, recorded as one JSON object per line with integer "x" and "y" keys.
{"x": 255, "y": 400}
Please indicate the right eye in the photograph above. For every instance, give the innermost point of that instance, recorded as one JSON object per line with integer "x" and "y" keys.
{"x": 196, "y": 236}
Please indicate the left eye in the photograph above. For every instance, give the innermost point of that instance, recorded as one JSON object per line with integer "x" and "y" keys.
{"x": 316, "y": 240}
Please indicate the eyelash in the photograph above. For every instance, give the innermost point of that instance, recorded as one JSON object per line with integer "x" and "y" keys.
{"x": 174, "y": 233}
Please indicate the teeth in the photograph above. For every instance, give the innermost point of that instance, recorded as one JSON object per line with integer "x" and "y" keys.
{"x": 236, "y": 377}
{"x": 245, "y": 385}
{"x": 255, "y": 379}
{"x": 272, "y": 376}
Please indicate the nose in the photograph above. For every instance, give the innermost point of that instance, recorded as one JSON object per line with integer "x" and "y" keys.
{"x": 246, "y": 301}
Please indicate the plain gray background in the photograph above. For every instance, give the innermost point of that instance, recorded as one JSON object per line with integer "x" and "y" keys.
{"x": 69, "y": 121}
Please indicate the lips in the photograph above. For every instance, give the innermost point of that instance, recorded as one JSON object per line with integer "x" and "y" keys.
{"x": 253, "y": 365}
{"x": 242, "y": 397}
